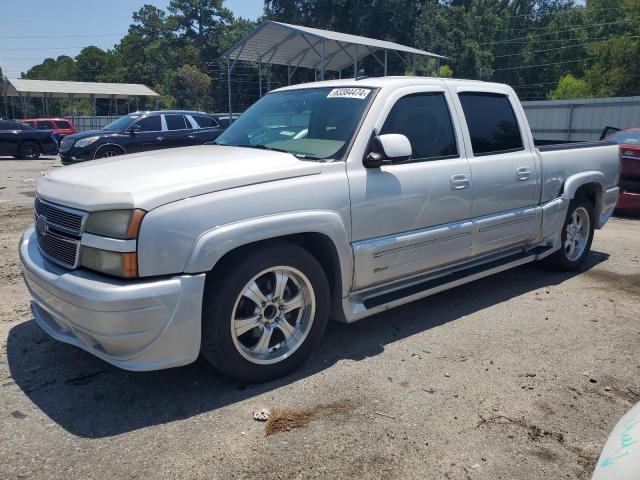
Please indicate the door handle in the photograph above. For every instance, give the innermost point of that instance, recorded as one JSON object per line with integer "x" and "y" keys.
{"x": 460, "y": 181}
{"x": 160, "y": 139}
{"x": 191, "y": 137}
{"x": 523, "y": 173}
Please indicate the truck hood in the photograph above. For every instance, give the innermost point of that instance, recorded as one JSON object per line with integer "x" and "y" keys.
{"x": 150, "y": 179}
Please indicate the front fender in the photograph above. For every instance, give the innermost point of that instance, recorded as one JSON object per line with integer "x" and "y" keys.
{"x": 213, "y": 244}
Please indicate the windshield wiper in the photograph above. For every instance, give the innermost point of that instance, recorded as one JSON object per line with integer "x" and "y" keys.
{"x": 262, "y": 146}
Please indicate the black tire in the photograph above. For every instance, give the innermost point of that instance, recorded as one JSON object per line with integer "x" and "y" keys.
{"x": 107, "y": 152}
{"x": 560, "y": 260}
{"x": 29, "y": 150}
{"x": 223, "y": 287}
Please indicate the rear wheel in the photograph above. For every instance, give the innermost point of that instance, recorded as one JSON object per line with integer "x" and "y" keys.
{"x": 264, "y": 311}
{"x": 107, "y": 152}
{"x": 576, "y": 237}
{"x": 29, "y": 150}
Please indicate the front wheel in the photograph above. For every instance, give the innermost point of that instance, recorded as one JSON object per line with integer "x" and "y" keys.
{"x": 264, "y": 311}
{"x": 108, "y": 152}
{"x": 576, "y": 237}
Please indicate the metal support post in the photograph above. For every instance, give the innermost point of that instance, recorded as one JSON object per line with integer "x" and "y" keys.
{"x": 385, "y": 62}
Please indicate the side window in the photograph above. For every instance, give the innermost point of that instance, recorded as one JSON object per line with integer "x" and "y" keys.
{"x": 29, "y": 124}
{"x": 175, "y": 122}
{"x": 150, "y": 124}
{"x": 62, "y": 124}
{"x": 492, "y": 123}
{"x": 425, "y": 120}
{"x": 45, "y": 125}
{"x": 205, "y": 122}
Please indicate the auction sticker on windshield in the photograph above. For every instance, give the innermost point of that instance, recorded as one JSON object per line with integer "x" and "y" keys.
{"x": 359, "y": 93}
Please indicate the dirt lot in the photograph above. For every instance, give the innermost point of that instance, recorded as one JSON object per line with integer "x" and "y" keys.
{"x": 518, "y": 376}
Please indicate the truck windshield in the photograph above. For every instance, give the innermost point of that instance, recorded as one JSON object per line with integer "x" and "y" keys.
{"x": 313, "y": 123}
{"x": 121, "y": 123}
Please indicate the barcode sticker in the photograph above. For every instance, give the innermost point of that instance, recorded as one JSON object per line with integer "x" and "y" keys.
{"x": 359, "y": 93}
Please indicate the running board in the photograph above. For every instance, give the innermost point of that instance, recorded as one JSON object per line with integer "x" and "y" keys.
{"x": 360, "y": 306}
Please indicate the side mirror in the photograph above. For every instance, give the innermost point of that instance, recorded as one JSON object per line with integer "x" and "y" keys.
{"x": 388, "y": 149}
{"x": 133, "y": 129}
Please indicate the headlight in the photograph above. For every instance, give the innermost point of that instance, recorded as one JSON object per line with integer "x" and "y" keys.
{"x": 123, "y": 224}
{"x": 119, "y": 264}
{"x": 85, "y": 141}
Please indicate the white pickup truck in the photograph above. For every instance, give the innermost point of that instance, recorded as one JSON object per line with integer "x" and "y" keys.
{"x": 334, "y": 199}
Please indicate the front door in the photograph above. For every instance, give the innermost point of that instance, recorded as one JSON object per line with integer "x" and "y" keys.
{"x": 412, "y": 217}
{"x": 504, "y": 169}
{"x": 149, "y": 136}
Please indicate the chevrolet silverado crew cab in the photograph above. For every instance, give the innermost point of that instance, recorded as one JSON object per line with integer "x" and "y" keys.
{"x": 335, "y": 199}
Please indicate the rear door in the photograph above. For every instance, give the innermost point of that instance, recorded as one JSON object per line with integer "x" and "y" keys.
{"x": 179, "y": 133}
{"x": 506, "y": 184}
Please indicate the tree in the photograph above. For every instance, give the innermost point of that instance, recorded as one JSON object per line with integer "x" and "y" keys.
{"x": 615, "y": 70}
{"x": 90, "y": 63}
{"x": 202, "y": 22}
{"x": 570, "y": 87}
{"x": 61, "y": 68}
{"x": 192, "y": 88}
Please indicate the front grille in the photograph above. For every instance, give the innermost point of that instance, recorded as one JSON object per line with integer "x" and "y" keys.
{"x": 66, "y": 144}
{"x": 61, "y": 218}
{"x": 59, "y": 248}
{"x": 58, "y": 231}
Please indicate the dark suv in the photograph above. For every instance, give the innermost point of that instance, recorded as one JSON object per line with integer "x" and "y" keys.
{"x": 139, "y": 132}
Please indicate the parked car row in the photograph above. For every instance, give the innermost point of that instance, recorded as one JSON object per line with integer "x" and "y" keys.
{"x": 135, "y": 132}
{"x": 139, "y": 132}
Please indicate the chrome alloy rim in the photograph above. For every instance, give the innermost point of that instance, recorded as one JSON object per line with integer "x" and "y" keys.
{"x": 577, "y": 234}
{"x": 273, "y": 315}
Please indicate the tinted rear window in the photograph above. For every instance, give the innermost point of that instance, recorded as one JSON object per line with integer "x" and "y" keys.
{"x": 205, "y": 122}
{"x": 62, "y": 124}
{"x": 175, "y": 122}
{"x": 492, "y": 123}
{"x": 424, "y": 119}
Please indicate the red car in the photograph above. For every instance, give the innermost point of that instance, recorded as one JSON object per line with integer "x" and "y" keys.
{"x": 61, "y": 127}
{"x": 629, "y": 141}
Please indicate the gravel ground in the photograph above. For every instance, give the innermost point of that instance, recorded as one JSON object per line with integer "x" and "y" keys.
{"x": 520, "y": 375}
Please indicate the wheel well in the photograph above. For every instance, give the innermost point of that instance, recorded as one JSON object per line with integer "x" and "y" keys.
{"x": 22, "y": 142}
{"x": 317, "y": 244}
{"x": 109, "y": 145}
{"x": 591, "y": 191}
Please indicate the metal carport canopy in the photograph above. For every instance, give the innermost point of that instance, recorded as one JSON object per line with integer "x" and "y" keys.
{"x": 285, "y": 44}
{"x": 61, "y": 89}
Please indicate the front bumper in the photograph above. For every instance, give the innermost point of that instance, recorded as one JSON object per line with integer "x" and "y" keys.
{"x": 76, "y": 155}
{"x": 135, "y": 325}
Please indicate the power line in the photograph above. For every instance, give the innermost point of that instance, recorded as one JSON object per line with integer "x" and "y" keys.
{"x": 55, "y": 48}
{"x": 528, "y": 37}
{"x": 599, "y": 40}
{"x": 542, "y": 65}
{"x": 65, "y": 36}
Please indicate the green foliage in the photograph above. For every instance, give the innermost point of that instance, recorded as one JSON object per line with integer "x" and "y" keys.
{"x": 544, "y": 48}
{"x": 444, "y": 72}
{"x": 570, "y": 87}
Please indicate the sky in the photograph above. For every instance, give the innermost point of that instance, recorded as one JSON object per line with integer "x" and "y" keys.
{"x": 32, "y": 30}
